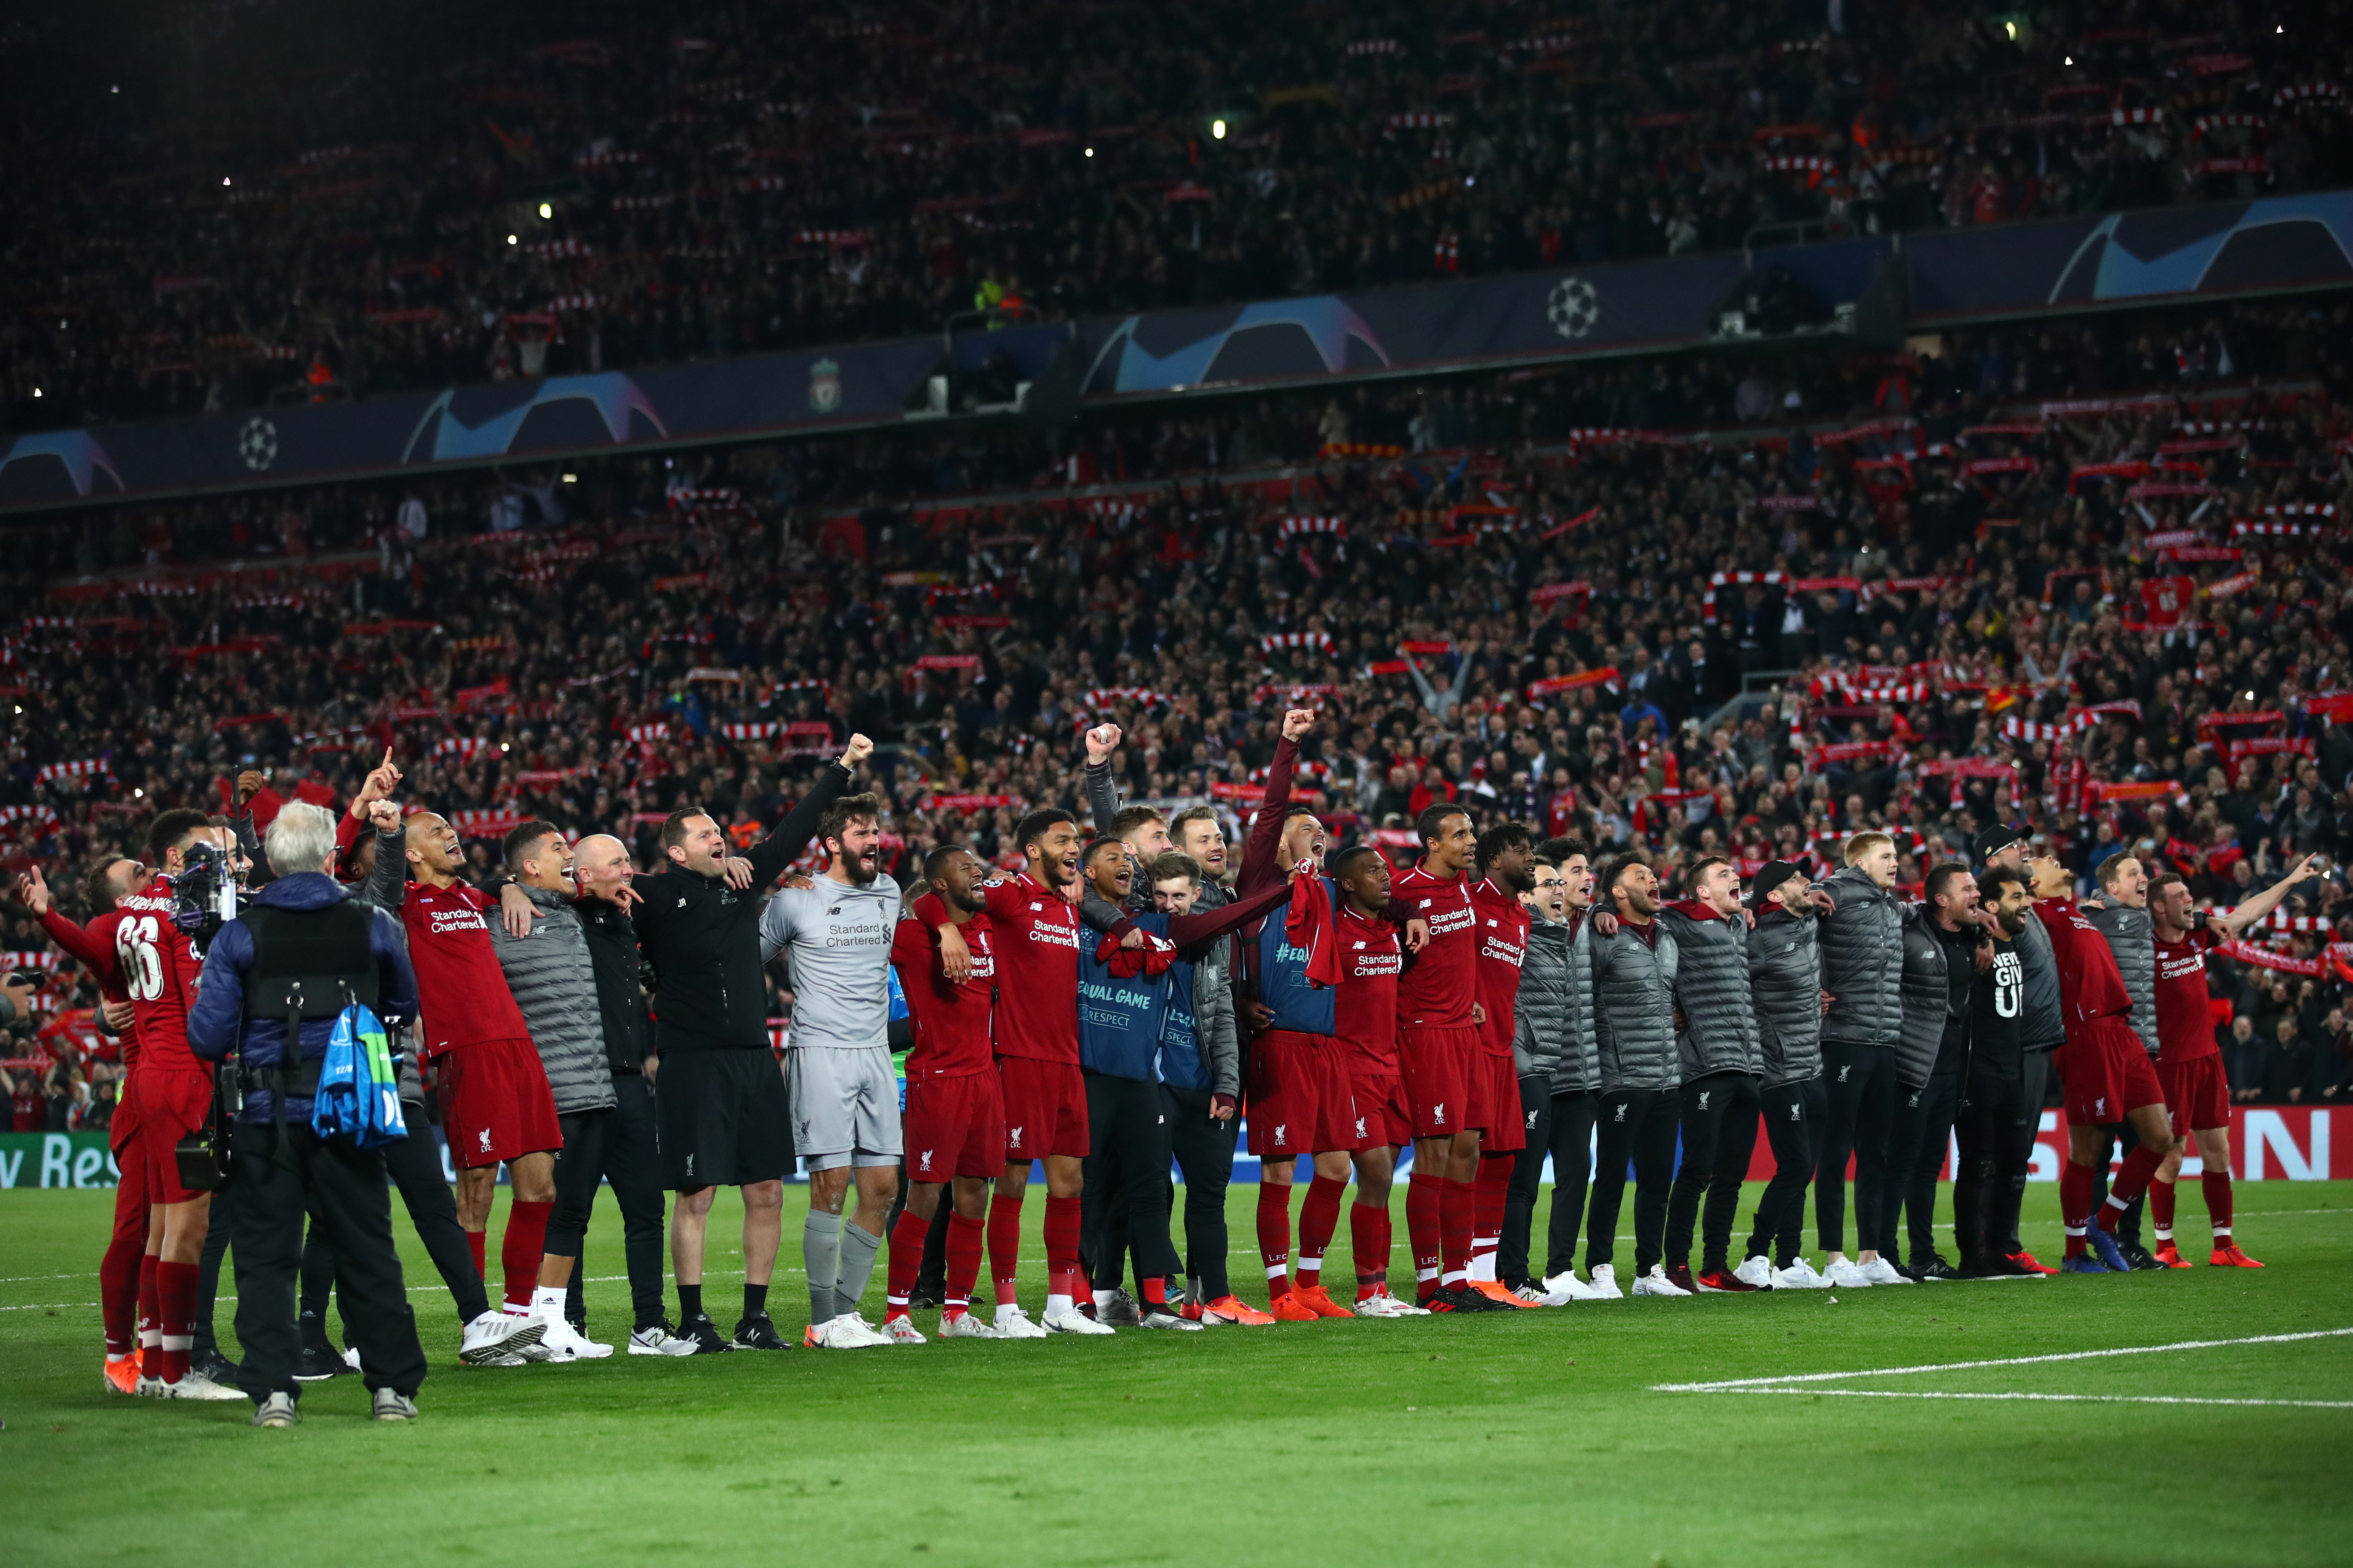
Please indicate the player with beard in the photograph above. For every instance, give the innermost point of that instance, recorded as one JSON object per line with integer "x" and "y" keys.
{"x": 844, "y": 1091}
{"x": 1508, "y": 875}
{"x": 2103, "y": 1069}
{"x": 2120, "y": 912}
{"x": 1438, "y": 1019}
{"x": 1721, "y": 1052}
{"x": 1785, "y": 982}
{"x": 126, "y": 1275}
{"x": 955, "y": 1121}
{"x": 2189, "y": 1064}
{"x": 1984, "y": 1196}
{"x": 1862, "y": 946}
{"x": 2040, "y": 1031}
{"x": 1642, "y": 1075}
{"x": 496, "y": 1105}
{"x": 1035, "y": 933}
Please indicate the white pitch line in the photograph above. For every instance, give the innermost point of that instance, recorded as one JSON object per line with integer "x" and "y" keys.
{"x": 2054, "y": 1398}
{"x": 1750, "y": 1383}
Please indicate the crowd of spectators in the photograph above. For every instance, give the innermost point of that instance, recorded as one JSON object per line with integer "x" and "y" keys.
{"x": 261, "y": 200}
{"x": 2092, "y": 583}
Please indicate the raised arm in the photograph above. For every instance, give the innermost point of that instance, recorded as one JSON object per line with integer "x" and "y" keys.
{"x": 1103, "y": 791}
{"x": 2264, "y": 902}
{"x": 1266, "y": 828}
{"x": 773, "y": 854}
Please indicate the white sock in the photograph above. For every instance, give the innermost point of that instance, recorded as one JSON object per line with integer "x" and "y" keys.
{"x": 1005, "y": 1309}
{"x": 1103, "y": 1298}
{"x": 1056, "y": 1304}
{"x": 548, "y": 1299}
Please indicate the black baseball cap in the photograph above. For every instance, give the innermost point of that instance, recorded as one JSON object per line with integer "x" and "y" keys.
{"x": 1992, "y": 841}
{"x": 1774, "y": 873}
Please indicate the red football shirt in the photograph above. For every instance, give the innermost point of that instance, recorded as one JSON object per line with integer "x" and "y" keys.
{"x": 160, "y": 972}
{"x": 1502, "y": 948}
{"x": 1364, "y": 1009}
{"x": 2090, "y": 983}
{"x": 461, "y": 992}
{"x": 94, "y": 946}
{"x": 1035, "y": 937}
{"x": 2185, "y": 1028}
{"x": 1437, "y": 990}
{"x": 950, "y": 1019}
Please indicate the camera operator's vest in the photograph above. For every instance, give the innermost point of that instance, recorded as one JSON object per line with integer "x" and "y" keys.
{"x": 307, "y": 964}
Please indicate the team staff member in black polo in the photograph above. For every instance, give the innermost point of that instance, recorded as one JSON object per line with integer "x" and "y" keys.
{"x": 722, "y": 1111}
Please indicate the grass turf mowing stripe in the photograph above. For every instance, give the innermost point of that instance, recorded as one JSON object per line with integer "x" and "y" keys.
{"x": 1745, "y": 1384}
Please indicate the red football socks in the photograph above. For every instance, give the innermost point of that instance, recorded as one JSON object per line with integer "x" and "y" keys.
{"x": 1063, "y": 1249}
{"x": 1319, "y": 1216}
{"x": 521, "y": 1251}
{"x": 2160, "y": 1208}
{"x": 477, "y": 1242}
{"x": 1004, "y": 1247}
{"x": 1274, "y": 1236}
{"x": 151, "y": 1310}
{"x": 175, "y": 1303}
{"x": 2216, "y": 1185}
{"x": 2132, "y": 1180}
{"x": 1368, "y": 1240}
{"x": 1424, "y": 1205}
{"x": 907, "y": 1238}
{"x": 2075, "y": 1184}
{"x": 1154, "y": 1288}
{"x": 964, "y": 1262}
{"x": 1458, "y": 1207}
{"x": 1492, "y": 1191}
{"x": 118, "y": 1292}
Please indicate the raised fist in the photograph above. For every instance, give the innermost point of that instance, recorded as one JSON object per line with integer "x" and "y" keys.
{"x": 858, "y": 751}
{"x": 1101, "y": 741}
{"x": 1297, "y": 722}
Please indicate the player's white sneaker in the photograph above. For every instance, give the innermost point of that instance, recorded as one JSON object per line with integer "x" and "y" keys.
{"x": 1799, "y": 1276}
{"x": 1565, "y": 1286}
{"x": 563, "y": 1342}
{"x": 1604, "y": 1286}
{"x": 1656, "y": 1283}
{"x": 968, "y": 1326}
{"x": 1880, "y": 1272}
{"x": 1071, "y": 1320}
{"x": 494, "y": 1335}
{"x": 1756, "y": 1271}
{"x": 658, "y": 1340}
{"x": 847, "y": 1332}
{"x": 901, "y": 1331}
{"x": 1846, "y": 1274}
{"x": 1013, "y": 1323}
{"x": 1381, "y": 1304}
{"x": 196, "y": 1386}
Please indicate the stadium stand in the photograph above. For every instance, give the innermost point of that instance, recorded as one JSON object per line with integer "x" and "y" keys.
{"x": 439, "y": 193}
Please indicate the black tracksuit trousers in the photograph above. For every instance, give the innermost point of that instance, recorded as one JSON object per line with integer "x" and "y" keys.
{"x": 1637, "y": 1128}
{"x": 1794, "y": 1114}
{"x": 1861, "y": 1084}
{"x": 1719, "y": 1132}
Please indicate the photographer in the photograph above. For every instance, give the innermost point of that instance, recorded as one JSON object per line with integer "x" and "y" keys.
{"x": 303, "y": 934}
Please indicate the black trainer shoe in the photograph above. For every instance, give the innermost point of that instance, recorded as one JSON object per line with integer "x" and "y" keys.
{"x": 924, "y": 1297}
{"x": 704, "y": 1333}
{"x": 318, "y": 1362}
{"x": 2139, "y": 1257}
{"x": 1463, "y": 1299}
{"x": 210, "y": 1364}
{"x": 756, "y": 1333}
{"x": 1933, "y": 1268}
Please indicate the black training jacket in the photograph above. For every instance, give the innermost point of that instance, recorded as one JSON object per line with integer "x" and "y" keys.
{"x": 702, "y": 937}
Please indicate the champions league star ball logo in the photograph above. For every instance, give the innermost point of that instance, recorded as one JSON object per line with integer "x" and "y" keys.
{"x": 824, "y": 386}
{"x": 258, "y": 443}
{"x": 1572, "y": 307}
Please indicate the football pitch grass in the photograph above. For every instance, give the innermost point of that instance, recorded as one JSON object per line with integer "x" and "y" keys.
{"x": 1538, "y": 1436}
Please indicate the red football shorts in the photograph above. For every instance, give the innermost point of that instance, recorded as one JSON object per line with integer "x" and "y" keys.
{"x": 1438, "y": 1063}
{"x": 1495, "y": 1103}
{"x": 2108, "y": 1073}
{"x": 173, "y": 1103}
{"x": 495, "y": 1103}
{"x": 2197, "y": 1095}
{"x": 124, "y": 1125}
{"x": 1301, "y": 1101}
{"x": 1045, "y": 1108}
{"x": 954, "y": 1127}
{"x": 1384, "y": 1119}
